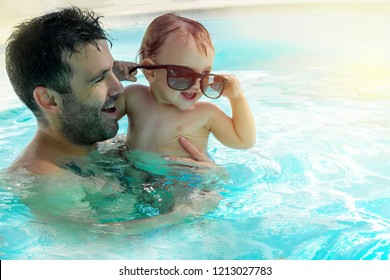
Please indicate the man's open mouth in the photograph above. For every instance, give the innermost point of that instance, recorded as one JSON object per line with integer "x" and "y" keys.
{"x": 109, "y": 109}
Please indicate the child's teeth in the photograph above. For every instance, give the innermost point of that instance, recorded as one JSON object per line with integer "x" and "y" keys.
{"x": 189, "y": 94}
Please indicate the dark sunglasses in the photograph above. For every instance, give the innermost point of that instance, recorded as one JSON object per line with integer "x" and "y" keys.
{"x": 182, "y": 78}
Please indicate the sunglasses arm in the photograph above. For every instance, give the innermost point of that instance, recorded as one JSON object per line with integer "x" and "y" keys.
{"x": 147, "y": 67}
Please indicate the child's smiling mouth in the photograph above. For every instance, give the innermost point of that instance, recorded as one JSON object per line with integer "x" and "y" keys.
{"x": 189, "y": 95}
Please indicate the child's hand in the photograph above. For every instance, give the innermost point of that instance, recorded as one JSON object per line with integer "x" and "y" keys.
{"x": 121, "y": 70}
{"x": 232, "y": 88}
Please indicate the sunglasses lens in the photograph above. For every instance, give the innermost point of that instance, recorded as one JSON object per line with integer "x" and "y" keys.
{"x": 212, "y": 86}
{"x": 180, "y": 78}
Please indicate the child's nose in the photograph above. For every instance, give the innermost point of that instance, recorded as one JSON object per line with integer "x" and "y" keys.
{"x": 196, "y": 84}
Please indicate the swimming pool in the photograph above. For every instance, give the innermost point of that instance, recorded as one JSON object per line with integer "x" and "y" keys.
{"x": 315, "y": 186}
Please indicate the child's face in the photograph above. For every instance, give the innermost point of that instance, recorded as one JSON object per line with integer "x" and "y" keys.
{"x": 176, "y": 52}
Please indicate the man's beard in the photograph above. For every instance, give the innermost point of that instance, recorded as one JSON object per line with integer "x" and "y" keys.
{"x": 83, "y": 124}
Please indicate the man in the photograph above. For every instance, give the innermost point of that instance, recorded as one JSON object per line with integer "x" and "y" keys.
{"x": 61, "y": 67}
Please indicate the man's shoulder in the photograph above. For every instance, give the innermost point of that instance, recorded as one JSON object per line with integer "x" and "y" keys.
{"x": 35, "y": 166}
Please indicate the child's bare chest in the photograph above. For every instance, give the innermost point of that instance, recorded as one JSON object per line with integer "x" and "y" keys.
{"x": 159, "y": 130}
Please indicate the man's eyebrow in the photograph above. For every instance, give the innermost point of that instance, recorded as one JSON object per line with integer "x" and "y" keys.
{"x": 97, "y": 77}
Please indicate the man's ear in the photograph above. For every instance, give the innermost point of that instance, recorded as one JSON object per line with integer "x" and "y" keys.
{"x": 46, "y": 99}
{"x": 150, "y": 75}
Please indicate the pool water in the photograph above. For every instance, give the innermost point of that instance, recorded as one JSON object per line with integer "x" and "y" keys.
{"x": 315, "y": 186}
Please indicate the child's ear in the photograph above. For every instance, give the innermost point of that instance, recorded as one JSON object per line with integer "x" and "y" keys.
{"x": 45, "y": 98}
{"x": 150, "y": 75}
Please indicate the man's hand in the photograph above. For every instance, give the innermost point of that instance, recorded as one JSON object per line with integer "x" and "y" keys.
{"x": 121, "y": 70}
{"x": 198, "y": 160}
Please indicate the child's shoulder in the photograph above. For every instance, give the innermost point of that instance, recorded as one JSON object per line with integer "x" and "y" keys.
{"x": 136, "y": 89}
{"x": 133, "y": 96}
{"x": 206, "y": 109}
{"x": 132, "y": 92}
{"x": 206, "y": 106}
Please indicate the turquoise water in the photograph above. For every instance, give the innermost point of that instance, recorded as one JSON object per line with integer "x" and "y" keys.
{"x": 315, "y": 186}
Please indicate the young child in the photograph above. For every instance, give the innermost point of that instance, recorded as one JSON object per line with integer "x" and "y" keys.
{"x": 177, "y": 56}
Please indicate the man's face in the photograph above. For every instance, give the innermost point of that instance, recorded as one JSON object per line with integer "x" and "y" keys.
{"x": 88, "y": 114}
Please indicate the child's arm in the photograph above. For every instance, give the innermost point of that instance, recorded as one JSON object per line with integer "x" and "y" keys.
{"x": 121, "y": 71}
{"x": 239, "y": 131}
{"x": 120, "y": 104}
{"x": 132, "y": 97}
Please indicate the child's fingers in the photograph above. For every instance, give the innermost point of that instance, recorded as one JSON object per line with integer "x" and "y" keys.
{"x": 122, "y": 69}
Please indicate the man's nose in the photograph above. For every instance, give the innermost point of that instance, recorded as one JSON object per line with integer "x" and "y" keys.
{"x": 115, "y": 86}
